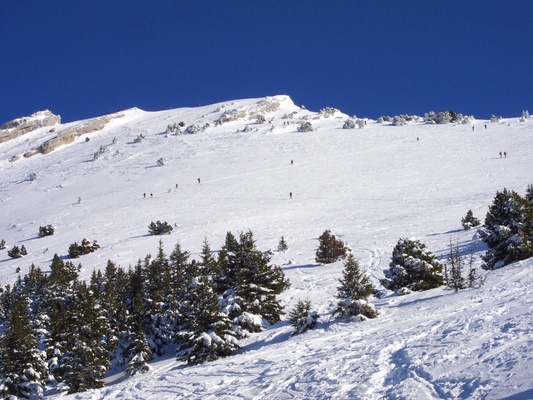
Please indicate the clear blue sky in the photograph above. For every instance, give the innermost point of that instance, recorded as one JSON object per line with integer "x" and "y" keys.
{"x": 82, "y": 59}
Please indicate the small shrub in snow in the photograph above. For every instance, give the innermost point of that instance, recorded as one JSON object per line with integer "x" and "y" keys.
{"x": 305, "y": 126}
{"x": 173, "y": 129}
{"x": 282, "y": 245}
{"x": 443, "y": 117}
{"x": 192, "y": 129}
{"x": 412, "y": 266}
{"x": 47, "y": 230}
{"x": 2, "y": 244}
{"x": 159, "y": 228}
{"x": 160, "y": 162}
{"x": 469, "y": 221}
{"x": 349, "y": 124}
{"x": 494, "y": 118}
{"x": 328, "y": 112}
{"x": 139, "y": 138}
{"x": 454, "y": 271}
{"x": 76, "y": 250}
{"x": 398, "y": 120}
{"x": 330, "y": 248}
{"x": 302, "y": 318}
{"x": 16, "y": 252}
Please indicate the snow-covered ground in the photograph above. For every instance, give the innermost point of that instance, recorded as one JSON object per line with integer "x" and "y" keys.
{"x": 370, "y": 186}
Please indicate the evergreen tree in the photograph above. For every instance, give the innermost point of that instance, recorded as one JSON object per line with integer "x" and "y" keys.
{"x": 22, "y": 366}
{"x": 59, "y": 299}
{"x": 469, "y": 221}
{"x": 412, "y": 266}
{"x": 14, "y": 252}
{"x": 209, "y": 334}
{"x": 526, "y": 232}
{"x": 208, "y": 261}
{"x": 160, "y": 228}
{"x": 85, "y": 358}
{"x": 254, "y": 284}
{"x": 180, "y": 269}
{"x": 302, "y": 318}
{"x": 114, "y": 297}
{"x": 528, "y": 196}
{"x": 282, "y": 245}
{"x": 134, "y": 340}
{"x": 504, "y": 230}
{"x": 353, "y": 292}
{"x": 141, "y": 354}
{"x": 330, "y": 248}
{"x": 2, "y": 244}
{"x": 454, "y": 269}
{"x": 156, "y": 293}
{"x": 226, "y": 272}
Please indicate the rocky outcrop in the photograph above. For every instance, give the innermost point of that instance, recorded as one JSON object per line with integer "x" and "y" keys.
{"x": 21, "y": 126}
{"x": 70, "y": 134}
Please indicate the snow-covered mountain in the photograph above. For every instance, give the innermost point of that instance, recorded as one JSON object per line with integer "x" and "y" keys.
{"x": 107, "y": 178}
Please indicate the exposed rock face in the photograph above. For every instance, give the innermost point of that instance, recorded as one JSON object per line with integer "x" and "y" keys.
{"x": 20, "y": 126}
{"x": 69, "y": 135}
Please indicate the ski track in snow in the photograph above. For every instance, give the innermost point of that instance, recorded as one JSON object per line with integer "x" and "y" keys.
{"x": 370, "y": 186}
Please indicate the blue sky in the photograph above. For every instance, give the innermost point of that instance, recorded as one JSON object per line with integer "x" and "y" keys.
{"x": 82, "y": 59}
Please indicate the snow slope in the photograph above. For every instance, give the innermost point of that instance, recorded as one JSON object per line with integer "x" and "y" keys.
{"x": 371, "y": 186}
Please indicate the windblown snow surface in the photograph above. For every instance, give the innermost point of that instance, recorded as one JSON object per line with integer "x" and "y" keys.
{"x": 370, "y": 186}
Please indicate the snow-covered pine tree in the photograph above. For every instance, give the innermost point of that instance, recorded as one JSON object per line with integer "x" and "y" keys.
{"x": 47, "y": 230}
{"x": 141, "y": 354}
{"x": 179, "y": 270}
{"x": 330, "y": 249}
{"x": 504, "y": 230}
{"x": 208, "y": 262}
{"x": 226, "y": 274}
{"x": 302, "y": 318}
{"x": 2, "y": 244}
{"x": 251, "y": 302}
{"x": 412, "y": 266}
{"x": 469, "y": 221}
{"x": 353, "y": 292}
{"x": 208, "y": 334}
{"x": 14, "y": 252}
{"x": 85, "y": 358}
{"x": 23, "y": 370}
{"x": 160, "y": 228}
{"x": 181, "y": 273}
{"x": 156, "y": 292}
{"x": 528, "y": 196}
{"x": 282, "y": 245}
{"x": 134, "y": 338}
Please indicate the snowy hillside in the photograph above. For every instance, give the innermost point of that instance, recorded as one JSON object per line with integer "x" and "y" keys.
{"x": 370, "y": 186}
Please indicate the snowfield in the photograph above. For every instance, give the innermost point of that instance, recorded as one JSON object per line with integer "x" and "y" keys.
{"x": 370, "y": 186}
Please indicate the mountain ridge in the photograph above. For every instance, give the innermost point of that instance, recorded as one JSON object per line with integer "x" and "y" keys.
{"x": 370, "y": 185}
